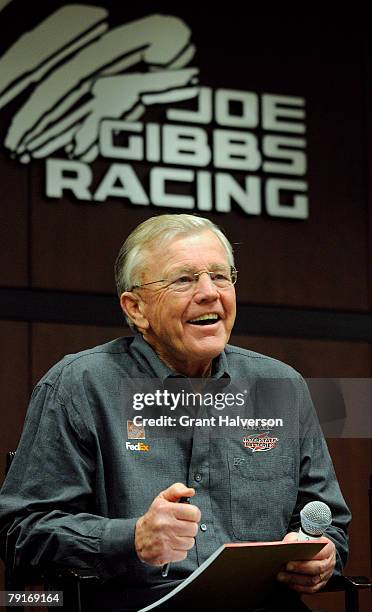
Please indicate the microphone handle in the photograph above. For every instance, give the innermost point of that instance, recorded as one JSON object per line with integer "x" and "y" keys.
{"x": 303, "y": 536}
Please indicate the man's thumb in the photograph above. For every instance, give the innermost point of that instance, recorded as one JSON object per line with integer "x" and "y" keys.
{"x": 176, "y": 491}
{"x": 292, "y": 536}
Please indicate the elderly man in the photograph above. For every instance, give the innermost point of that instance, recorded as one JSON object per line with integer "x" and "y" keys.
{"x": 93, "y": 487}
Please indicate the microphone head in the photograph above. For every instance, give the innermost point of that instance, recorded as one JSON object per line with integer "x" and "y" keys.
{"x": 315, "y": 518}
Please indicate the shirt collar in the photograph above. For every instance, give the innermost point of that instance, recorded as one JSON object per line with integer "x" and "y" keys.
{"x": 154, "y": 367}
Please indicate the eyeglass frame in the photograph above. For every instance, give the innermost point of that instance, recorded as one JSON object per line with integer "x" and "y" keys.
{"x": 233, "y": 272}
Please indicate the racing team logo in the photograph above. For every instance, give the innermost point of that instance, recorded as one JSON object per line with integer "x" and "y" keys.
{"x": 260, "y": 443}
{"x": 83, "y": 88}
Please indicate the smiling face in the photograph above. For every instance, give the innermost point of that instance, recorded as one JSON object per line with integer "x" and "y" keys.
{"x": 167, "y": 318}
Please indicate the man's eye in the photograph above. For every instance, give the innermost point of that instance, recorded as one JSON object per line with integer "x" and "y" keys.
{"x": 219, "y": 276}
{"x": 186, "y": 279}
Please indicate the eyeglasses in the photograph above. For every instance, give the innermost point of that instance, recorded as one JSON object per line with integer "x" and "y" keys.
{"x": 222, "y": 279}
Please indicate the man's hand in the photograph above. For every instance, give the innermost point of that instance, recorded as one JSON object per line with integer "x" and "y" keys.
{"x": 167, "y": 531}
{"x": 309, "y": 576}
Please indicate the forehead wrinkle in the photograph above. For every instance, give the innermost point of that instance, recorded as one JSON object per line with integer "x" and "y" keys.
{"x": 154, "y": 253}
{"x": 190, "y": 269}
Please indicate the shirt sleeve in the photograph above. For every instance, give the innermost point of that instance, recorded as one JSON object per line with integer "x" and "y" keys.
{"x": 48, "y": 510}
{"x": 318, "y": 481}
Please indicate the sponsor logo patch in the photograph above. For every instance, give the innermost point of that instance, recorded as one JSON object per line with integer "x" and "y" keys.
{"x": 140, "y": 447}
{"x": 260, "y": 443}
{"x": 135, "y": 432}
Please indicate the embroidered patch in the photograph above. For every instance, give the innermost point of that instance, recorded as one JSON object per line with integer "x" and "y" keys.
{"x": 135, "y": 432}
{"x": 260, "y": 443}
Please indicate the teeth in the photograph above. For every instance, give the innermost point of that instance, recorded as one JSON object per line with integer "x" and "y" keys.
{"x": 205, "y": 317}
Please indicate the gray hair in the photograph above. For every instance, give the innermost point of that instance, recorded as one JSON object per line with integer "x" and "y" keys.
{"x": 154, "y": 231}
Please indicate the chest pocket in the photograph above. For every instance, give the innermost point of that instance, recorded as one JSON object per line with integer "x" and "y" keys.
{"x": 263, "y": 494}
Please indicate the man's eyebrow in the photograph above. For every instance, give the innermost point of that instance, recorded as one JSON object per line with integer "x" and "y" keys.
{"x": 219, "y": 266}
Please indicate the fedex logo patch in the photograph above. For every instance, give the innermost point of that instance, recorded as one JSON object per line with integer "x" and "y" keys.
{"x": 139, "y": 447}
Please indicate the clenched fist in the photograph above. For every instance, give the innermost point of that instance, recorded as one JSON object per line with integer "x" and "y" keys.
{"x": 167, "y": 531}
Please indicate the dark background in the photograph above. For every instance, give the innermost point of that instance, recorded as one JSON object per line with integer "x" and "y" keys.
{"x": 304, "y": 289}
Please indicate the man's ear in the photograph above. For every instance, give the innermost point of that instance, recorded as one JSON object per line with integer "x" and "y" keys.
{"x": 132, "y": 306}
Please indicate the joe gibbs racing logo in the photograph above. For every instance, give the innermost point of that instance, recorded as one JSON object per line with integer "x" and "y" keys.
{"x": 260, "y": 442}
{"x": 84, "y": 86}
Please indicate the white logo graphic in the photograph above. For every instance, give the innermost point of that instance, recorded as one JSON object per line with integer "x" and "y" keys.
{"x": 86, "y": 88}
{"x": 58, "y": 114}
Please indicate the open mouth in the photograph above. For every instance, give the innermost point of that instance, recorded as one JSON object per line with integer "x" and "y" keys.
{"x": 207, "y": 319}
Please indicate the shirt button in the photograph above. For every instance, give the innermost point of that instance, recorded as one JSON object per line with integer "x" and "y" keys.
{"x": 198, "y": 477}
{"x": 203, "y": 527}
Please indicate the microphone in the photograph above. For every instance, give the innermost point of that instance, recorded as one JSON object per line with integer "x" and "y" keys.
{"x": 315, "y": 518}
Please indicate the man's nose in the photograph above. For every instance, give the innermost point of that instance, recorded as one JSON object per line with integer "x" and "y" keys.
{"x": 205, "y": 288}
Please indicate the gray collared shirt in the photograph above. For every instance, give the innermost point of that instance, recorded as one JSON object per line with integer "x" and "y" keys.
{"x": 84, "y": 473}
